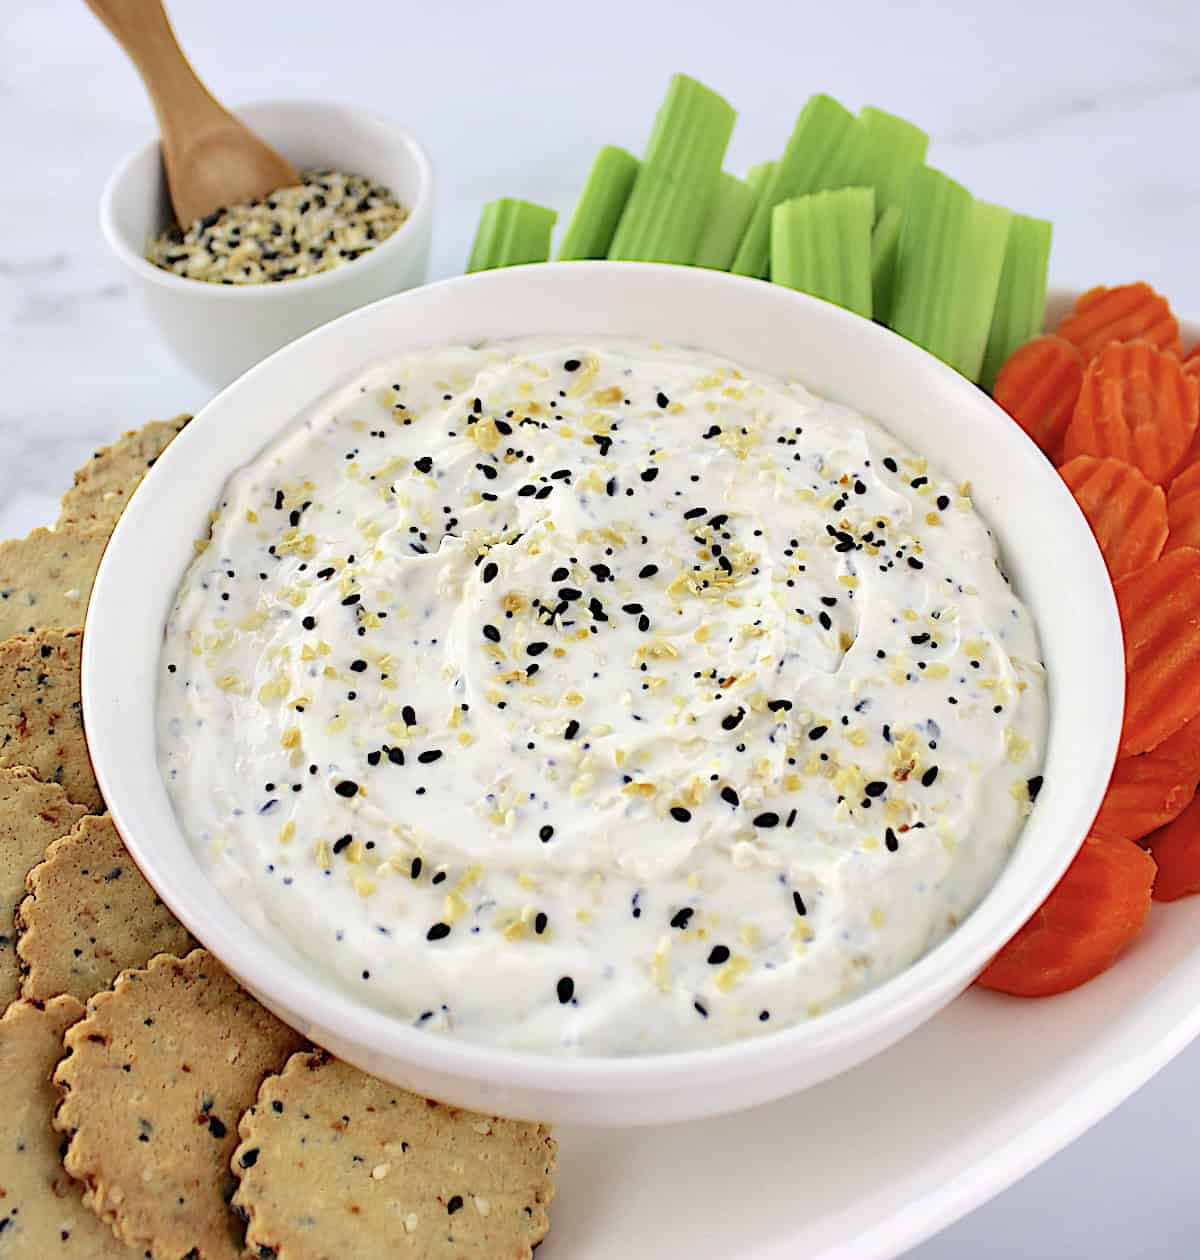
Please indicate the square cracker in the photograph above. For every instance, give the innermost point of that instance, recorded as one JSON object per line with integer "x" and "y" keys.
{"x": 41, "y": 715}
{"x": 103, "y": 485}
{"x": 32, "y": 815}
{"x": 42, "y": 1216}
{"x": 46, "y": 577}
{"x": 89, "y": 915}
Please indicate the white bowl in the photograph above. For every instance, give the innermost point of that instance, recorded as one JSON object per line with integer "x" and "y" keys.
{"x": 219, "y": 330}
{"x": 1049, "y": 554}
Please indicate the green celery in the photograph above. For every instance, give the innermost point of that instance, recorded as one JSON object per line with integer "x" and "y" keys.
{"x": 930, "y": 261}
{"x": 821, "y": 244}
{"x": 757, "y": 176}
{"x": 727, "y": 218}
{"x": 884, "y": 239}
{"x": 665, "y": 214}
{"x": 1021, "y": 301}
{"x": 511, "y": 232}
{"x": 891, "y": 150}
{"x": 590, "y": 232}
{"x": 808, "y": 161}
{"x": 976, "y": 297}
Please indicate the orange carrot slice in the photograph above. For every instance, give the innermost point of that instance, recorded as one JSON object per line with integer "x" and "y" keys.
{"x": 1127, "y": 514}
{"x": 1080, "y": 930}
{"x": 1176, "y": 851}
{"x": 1183, "y": 509}
{"x": 1146, "y": 793}
{"x": 1137, "y": 404}
{"x": 1038, "y": 386}
{"x": 1160, "y": 618}
{"x": 1128, "y": 312}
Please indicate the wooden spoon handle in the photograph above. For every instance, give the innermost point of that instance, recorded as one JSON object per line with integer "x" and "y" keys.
{"x": 142, "y": 28}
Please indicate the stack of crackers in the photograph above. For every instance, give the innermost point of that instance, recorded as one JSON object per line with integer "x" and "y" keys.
{"x": 150, "y": 1106}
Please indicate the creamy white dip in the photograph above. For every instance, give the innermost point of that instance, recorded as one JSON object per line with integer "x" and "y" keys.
{"x": 599, "y": 697}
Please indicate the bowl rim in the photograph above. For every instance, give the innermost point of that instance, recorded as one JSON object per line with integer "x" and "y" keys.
{"x": 956, "y": 960}
{"x": 412, "y": 229}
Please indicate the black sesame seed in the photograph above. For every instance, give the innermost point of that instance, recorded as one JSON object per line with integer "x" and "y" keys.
{"x": 1034, "y": 786}
{"x": 571, "y": 365}
{"x": 438, "y": 932}
{"x": 343, "y": 842}
{"x": 680, "y": 814}
{"x": 571, "y": 729}
{"x": 490, "y": 570}
{"x": 889, "y": 839}
{"x": 396, "y": 756}
{"x": 730, "y": 797}
{"x": 876, "y": 787}
{"x": 649, "y": 474}
{"x": 415, "y": 869}
{"x": 347, "y": 788}
{"x": 491, "y": 634}
{"x": 536, "y": 649}
{"x": 681, "y": 918}
{"x": 767, "y": 819}
{"x": 539, "y": 923}
{"x": 817, "y": 732}
{"x": 565, "y": 989}
{"x": 454, "y": 1204}
{"x": 309, "y": 623}
{"x": 429, "y": 756}
{"x": 717, "y": 955}
{"x": 358, "y": 666}
{"x": 929, "y": 777}
{"x": 546, "y": 833}
{"x": 648, "y": 571}
{"x": 798, "y": 902}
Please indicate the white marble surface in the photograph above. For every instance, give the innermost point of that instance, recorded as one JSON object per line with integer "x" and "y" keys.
{"x": 1084, "y": 113}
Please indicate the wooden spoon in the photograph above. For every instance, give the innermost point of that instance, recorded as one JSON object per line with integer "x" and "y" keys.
{"x": 212, "y": 160}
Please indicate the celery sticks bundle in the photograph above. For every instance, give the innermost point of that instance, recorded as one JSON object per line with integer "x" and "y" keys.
{"x": 849, "y": 213}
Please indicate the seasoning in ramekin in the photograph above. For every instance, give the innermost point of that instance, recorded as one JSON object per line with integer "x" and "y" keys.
{"x": 328, "y": 220}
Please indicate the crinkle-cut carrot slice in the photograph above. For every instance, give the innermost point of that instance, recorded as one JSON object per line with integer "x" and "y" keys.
{"x": 1127, "y": 312}
{"x": 1176, "y": 851}
{"x": 1128, "y": 514}
{"x": 1038, "y": 386}
{"x": 1160, "y": 618}
{"x": 1081, "y": 929}
{"x": 1148, "y": 791}
{"x": 1183, "y": 509}
{"x": 1136, "y": 403}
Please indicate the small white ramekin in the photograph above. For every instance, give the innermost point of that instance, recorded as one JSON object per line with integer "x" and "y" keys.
{"x": 219, "y": 330}
{"x": 1048, "y": 552}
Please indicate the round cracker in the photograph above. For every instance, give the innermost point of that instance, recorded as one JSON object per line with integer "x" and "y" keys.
{"x": 335, "y": 1163}
{"x": 103, "y": 485}
{"x": 156, "y": 1079}
{"x": 46, "y": 577}
{"x": 89, "y": 915}
{"x": 42, "y": 1215}
{"x": 32, "y": 815}
{"x": 41, "y": 716}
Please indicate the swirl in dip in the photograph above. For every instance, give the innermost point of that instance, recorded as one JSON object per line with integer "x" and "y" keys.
{"x": 599, "y": 697}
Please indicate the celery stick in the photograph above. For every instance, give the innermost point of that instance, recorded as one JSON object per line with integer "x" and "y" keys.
{"x": 805, "y": 167}
{"x": 757, "y": 176}
{"x": 665, "y": 214}
{"x": 1021, "y": 301}
{"x": 821, "y": 244}
{"x": 848, "y": 163}
{"x": 590, "y": 232}
{"x": 727, "y": 218}
{"x": 511, "y": 232}
{"x": 884, "y": 239}
{"x": 931, "y": 261}
{"x": 976, "y": 297}
{"x": 891, "y": 150}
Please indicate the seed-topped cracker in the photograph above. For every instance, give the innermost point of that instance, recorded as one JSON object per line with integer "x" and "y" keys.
{"x": 103, "y": 485}
{"x": 41, "y": 716}
{"x": 46, "y": 577}
{"x": 89, "y": 915}
{"x": 32, "y": 815}
{"x": 156, "y": 1078}
{"x": 335, "y": 1163}
{"x": 42, "y": 1216}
